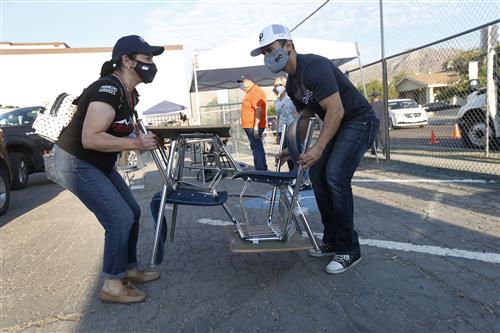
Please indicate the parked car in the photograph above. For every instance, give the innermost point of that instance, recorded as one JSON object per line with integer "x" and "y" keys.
{"x": 406, "y": 113}
{"x": 5, "y": 176}
{"x": 440, "y": 106}
{"x": 472, "y": 121}
{"x": 25, "y": 148}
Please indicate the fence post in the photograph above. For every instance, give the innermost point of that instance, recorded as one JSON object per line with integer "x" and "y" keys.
{"x": 387, "y": 146}
{"x": 491, "y": 106}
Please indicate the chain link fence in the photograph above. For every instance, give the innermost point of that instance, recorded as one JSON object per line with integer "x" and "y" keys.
{"x": 430, "y": 114}
{"x": 228, "y": 114}
{"x": 434, "y": 114}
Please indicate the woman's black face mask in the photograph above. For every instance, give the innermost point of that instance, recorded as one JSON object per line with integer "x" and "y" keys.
{"x": 145, "y": 71}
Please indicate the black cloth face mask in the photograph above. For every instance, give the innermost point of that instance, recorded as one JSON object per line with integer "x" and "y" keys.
{"x": 145, "y": 71}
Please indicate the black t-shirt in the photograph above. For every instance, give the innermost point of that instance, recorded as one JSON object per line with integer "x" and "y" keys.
{"x": 317, "y": 78}
{"x": 108, "y": 90}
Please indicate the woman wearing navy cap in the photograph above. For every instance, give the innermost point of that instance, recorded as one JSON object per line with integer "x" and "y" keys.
{"x": 86, "y": 152}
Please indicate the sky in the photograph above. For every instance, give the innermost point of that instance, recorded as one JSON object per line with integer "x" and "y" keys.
{"x": 206, "y": 24}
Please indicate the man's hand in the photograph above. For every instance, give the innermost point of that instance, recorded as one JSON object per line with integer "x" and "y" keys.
{"x": 146, "y": 141}
{"x": 309, "y": 158}
{"x": 256, "y": 135}
{"x": 283, "y": 156}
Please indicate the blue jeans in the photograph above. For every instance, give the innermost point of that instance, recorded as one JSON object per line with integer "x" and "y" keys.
{"x": 106, "y": 195}
{"x": 259, "y": 155}
{"x": 331, "y": 178}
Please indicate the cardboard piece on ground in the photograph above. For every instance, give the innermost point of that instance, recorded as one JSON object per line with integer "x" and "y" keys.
{"x": 238, "y": 245}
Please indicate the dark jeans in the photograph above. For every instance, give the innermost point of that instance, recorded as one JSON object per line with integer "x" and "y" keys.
{"x": 331, "y": 178}
{"x": 110, "y": 199}
{"x": 259, "y": 155}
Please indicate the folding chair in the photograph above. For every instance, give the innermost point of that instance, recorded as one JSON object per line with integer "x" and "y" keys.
{"x": 177, "y": 192}
{"x": 283, "y": 229}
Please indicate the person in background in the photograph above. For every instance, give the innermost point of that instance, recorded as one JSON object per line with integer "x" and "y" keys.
{"x": 317, "y": 87}
{"x": 378, "y": 107}
{"x": 286, "y": 113}
{"x": 84, "y": 159}
{"x": 375, "y": 96}
{"x": 254, "y": 119}
{"x": 285, "y": 110}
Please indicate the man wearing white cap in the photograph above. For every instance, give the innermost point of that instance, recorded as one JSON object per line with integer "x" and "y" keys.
{"x": 317, "y": 86}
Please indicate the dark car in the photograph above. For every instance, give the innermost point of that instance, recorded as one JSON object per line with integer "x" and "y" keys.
{"x": 440, "y": 106}
{"x": 5, "y": 176}
{"x": 26, "y": 149}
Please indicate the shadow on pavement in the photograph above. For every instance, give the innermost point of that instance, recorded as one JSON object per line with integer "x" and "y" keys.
{"x": 39, "y": 191}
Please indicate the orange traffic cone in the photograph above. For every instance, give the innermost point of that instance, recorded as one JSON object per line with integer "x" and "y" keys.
{"x": 456, "y": 132}
{"x": 433, "y": 138}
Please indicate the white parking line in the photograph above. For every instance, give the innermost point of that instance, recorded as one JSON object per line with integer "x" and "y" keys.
{"x": 489, "y": 257}
{"x": 424, "y": 180}
{"x": 434, "y": 250}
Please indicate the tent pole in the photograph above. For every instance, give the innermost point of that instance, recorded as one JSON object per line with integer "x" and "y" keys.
{"x": 196, "y": 89}
{"x": 361, "y": 72}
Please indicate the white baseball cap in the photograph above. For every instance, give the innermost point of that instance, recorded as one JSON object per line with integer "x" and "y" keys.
{"x": 270, "y": 34}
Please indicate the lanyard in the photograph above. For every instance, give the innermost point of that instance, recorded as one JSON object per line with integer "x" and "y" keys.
{"x": 129, "y": 97}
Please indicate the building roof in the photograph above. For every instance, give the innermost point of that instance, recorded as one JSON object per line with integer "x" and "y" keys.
{"x": 9, "y": 48}
{"x": 43, "y": 45}
{"x": 436, "y": 79}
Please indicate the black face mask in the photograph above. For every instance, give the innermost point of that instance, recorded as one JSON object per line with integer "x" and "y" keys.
{"x": 145, "y": 71}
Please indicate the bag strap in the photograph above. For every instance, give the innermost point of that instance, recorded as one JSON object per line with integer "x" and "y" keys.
{"x": 57, "y": 104}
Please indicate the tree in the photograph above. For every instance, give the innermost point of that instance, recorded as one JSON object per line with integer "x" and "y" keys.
{"x": 271, "y": 109}
{"x": 376, "y": 86}
{"x": 460, "y": 65}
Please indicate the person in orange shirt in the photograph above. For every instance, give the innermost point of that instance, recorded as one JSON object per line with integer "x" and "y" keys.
{"x": 253, "y": 119}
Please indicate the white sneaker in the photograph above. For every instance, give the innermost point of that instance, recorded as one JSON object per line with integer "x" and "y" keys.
{"x": 342, "y": 262}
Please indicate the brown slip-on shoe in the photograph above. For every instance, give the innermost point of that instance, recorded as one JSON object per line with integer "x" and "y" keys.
{"x": 142, "y": 277}
{"x": 129, "y": 294}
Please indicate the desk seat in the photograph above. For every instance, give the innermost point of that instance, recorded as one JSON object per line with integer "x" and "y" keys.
{"x": 267, "y": 177}
{"x": 188, "y": 197}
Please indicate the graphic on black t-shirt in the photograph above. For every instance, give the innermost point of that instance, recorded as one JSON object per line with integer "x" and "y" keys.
{"x": 304, "y": 95}
{"x": 121, "y": 127}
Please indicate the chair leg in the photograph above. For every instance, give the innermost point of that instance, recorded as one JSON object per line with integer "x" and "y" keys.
{"x": 234, "y": 220}
{"x": 242, "y": 205}
{"x": 161, "y": 213}
{"x": 174, "y": 222}
{"x": 304, "y": 222}
{"x": 271, "y": 206}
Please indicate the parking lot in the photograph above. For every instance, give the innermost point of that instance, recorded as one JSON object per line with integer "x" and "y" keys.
{"x": 430, "y": 247}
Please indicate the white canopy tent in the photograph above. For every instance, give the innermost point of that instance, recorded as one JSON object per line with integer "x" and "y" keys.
{"x": 219, "y": 68}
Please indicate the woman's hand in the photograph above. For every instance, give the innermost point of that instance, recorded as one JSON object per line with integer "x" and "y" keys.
{"x": 146, "y": 141}
{"x": 283, "y": 156}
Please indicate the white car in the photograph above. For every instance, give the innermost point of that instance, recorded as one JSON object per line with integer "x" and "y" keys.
{"x": 406, "y": 113}
{"x": 472, "y": 121}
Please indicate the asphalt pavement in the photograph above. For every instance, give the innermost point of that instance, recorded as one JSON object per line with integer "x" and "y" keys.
{"x": 430, "y": 263}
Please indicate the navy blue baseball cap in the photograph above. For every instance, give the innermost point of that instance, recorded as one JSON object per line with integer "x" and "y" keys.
{"x": 134, "y": 44}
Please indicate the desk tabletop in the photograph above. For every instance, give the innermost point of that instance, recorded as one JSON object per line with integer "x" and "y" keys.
{"x": 173, "y": 131}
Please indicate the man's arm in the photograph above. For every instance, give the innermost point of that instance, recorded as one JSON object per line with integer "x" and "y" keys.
{"x": 258, "y": 113}
{"x": 334, "y": 112}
